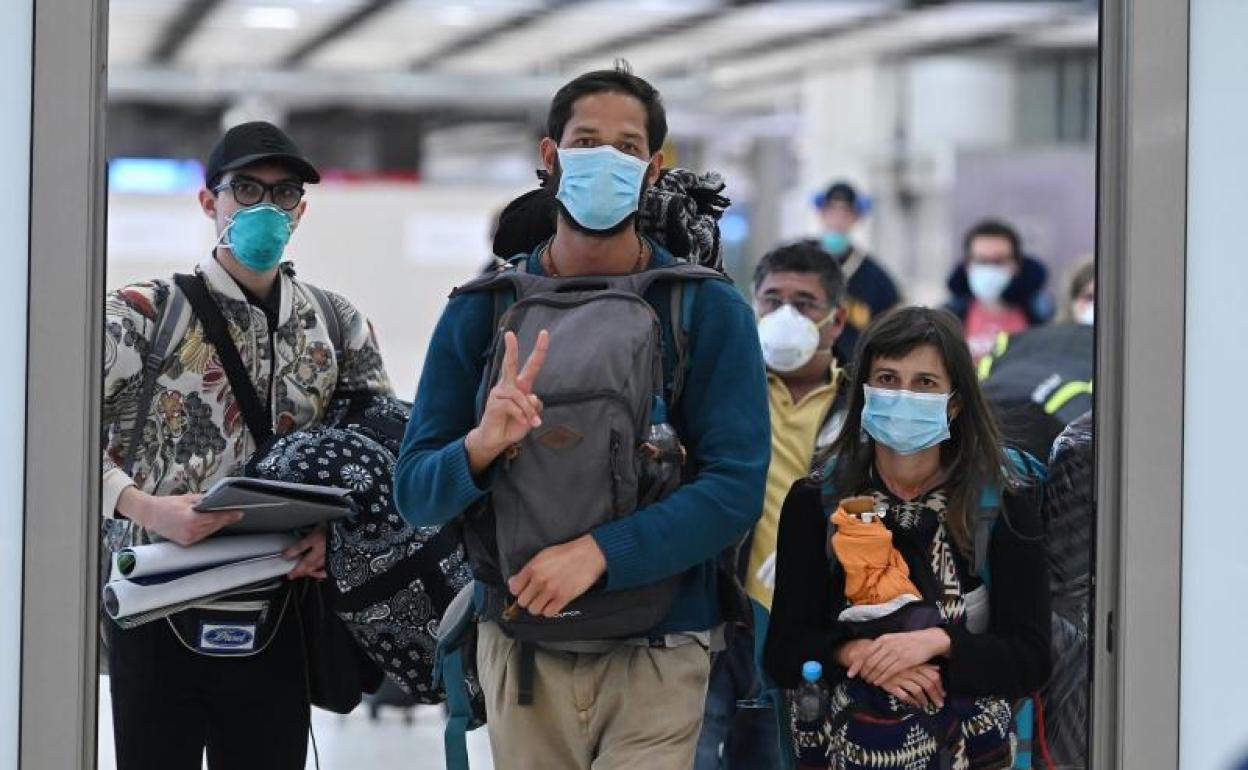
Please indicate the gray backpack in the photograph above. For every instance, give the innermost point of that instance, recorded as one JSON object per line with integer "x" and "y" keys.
{"x": 588, "y": 464}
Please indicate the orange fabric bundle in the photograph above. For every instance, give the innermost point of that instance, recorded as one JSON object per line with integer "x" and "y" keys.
{"x": 875, "y": 572}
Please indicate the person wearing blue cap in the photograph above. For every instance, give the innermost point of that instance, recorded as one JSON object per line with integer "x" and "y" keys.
{"x": 871, "y": 290}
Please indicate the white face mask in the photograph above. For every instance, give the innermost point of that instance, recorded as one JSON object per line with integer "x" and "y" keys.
{"x": 988, "y": 282}
{"x": 789, "y": 339}
{"x": 1085, "y": 314}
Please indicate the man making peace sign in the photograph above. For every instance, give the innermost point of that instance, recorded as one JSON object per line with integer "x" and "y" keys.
{"x": 634, "y": 699}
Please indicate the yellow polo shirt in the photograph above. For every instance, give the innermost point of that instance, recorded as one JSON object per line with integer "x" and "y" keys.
{"x": 794, "y": 430}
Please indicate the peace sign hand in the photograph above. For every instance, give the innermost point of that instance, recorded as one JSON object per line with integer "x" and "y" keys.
{"x": 511, "y": 410}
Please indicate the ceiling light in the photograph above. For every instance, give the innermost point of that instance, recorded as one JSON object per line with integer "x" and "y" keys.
{"x": 270, "y": 17}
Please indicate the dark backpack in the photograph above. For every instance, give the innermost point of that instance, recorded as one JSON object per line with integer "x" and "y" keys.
{"x": 484, "y": 599}
{"x": 1038, "y": 381}
{"x": 585, "y": 466}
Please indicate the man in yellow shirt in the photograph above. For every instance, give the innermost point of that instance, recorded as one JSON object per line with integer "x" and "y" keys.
{"x": 799, "y": 293}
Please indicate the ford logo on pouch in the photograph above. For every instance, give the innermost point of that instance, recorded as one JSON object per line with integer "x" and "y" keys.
{"x": 229, "y": 637}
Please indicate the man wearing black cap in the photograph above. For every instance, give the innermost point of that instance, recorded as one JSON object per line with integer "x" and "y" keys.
{"x": 228, "y": 676}
{"x": 871, "y": 290}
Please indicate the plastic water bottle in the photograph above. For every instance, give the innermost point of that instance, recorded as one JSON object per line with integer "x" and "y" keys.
{"x": 662, "y": 436}
{"x": 810, "y": 702}
{"x": 661, "y": 472}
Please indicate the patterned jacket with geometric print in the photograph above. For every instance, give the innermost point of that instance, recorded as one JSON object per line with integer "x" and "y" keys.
{"x": 194, "y": 432}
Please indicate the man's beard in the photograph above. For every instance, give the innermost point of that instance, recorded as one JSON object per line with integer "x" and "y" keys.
{"x": 627, "y": 222}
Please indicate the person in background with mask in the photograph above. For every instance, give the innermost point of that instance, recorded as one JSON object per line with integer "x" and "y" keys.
{"x": 175, "y": 692}
{"x": 798, "y": 294}
{"x": 625, "y": 702}
{"x": 870, "y": 289}
{"x": 997, "y": 288}
{"x": 921, "y": 441}
{"x": 1040, "y": 380}
{"x": 1081, "y": 301}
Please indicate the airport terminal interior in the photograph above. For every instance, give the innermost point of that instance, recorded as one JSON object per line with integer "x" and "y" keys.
{"x": 424, "y": 117}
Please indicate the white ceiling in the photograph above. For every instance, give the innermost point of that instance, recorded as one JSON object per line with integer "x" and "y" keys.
{"x": 701, "y": 39}
{"x": 134, "y": 26}
{"x": 410, "y": 30}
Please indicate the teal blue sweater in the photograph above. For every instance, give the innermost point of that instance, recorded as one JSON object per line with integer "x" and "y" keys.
{"x": 722, "y": 419}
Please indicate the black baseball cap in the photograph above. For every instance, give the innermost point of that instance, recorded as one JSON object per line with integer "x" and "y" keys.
{"x": 255, "y": 142}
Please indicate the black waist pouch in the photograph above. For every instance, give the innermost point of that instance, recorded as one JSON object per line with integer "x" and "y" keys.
{"x": 242, "y": 623}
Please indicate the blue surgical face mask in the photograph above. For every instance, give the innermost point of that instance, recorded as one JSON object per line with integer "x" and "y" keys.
{"x": 904, "y": 421}
{"x": 257, "y": 236}
{"x": 988, "y": 282}
{"x": 599, "y": 187}
{"x": 835, "y": 243}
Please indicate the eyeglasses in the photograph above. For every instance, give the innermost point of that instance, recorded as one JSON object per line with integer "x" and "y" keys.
{"x": 805, "y": 307}
{"x": 249, "y": 192}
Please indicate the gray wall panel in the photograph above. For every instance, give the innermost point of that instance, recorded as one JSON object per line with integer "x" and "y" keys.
{"x": 1143, "y": 156}
{"x": 62, "y": 441}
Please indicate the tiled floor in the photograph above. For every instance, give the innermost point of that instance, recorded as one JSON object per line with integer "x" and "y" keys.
{"x": 354, "y": 742}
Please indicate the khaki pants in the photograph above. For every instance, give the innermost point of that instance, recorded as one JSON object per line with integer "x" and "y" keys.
{"x": 634, "y": 707}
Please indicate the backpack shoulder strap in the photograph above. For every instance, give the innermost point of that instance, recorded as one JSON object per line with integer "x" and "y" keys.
{"x": 684, "y": 279}
{"x": 679, "y": 272}
{"x": 333, "y": 324}
{"x": 168, "y": 329}
{"x": 504, "y": 299}
{"x": 1023, "y": 465}
{"x": 680, "y": 316}
{"x": 450, "y": 672}
{"x": 513, "y": 283}
{"x": 829, "y": 498}
{"x": 984, "y": 369}
{"x": 981, "y": 536}
{"x": 513, "y": 279}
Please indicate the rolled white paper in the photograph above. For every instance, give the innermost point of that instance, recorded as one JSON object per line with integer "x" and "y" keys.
{"x": 159, "y": 558}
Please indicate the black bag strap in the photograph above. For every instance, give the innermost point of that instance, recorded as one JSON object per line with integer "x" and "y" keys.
{"x": 162, "y": 342}
{"x": 254, "y": 411}
{"x": 332, "y": 324}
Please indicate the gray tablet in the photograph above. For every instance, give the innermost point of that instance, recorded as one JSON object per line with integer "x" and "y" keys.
{"x": 276, "y": 506}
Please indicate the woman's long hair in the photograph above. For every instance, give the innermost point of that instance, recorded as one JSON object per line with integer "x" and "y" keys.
{"x": 974, "y": 454}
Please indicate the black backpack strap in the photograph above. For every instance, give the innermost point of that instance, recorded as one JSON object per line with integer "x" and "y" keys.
{"x": 332, "y": 323}
{"x": 527, "y": 669}
{"x": 162, "y": 342}
{"x": 254, "y": 411}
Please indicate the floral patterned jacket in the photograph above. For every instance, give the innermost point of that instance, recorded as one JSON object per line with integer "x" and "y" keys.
{"x": 195, "y": 433}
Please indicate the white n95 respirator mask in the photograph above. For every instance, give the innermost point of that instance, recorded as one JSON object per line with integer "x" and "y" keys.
{"x": 789, "y": 339}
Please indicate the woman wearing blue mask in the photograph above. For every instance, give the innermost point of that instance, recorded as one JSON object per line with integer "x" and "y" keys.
{"x": 930, "y": 684}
